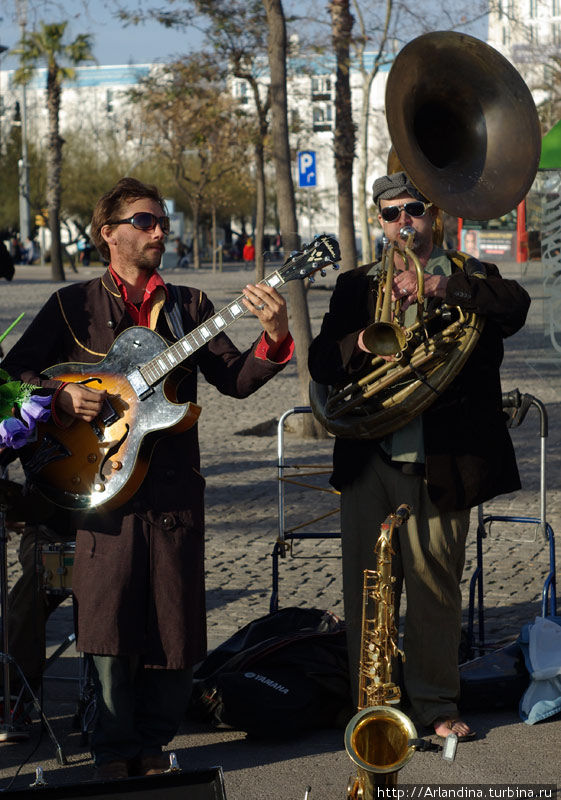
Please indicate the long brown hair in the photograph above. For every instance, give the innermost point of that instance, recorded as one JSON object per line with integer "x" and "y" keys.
{"x": 109, "y": 205}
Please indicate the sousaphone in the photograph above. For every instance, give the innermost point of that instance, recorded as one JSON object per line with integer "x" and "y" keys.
{"x": 465, "y": 129}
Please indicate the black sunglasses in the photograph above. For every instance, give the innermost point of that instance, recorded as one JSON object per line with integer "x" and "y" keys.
{"x": 144, "y": 221}
{"x": 414, "y": 208}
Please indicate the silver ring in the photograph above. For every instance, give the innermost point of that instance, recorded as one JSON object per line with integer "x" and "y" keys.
{"x": 404, "y": 291}
{"x": 261, "y": 307}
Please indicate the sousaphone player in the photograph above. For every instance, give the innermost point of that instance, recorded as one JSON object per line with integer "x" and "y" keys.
{"x": 457, "y": 453}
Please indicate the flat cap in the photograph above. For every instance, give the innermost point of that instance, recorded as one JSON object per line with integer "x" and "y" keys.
{"x": 390, "y": 186}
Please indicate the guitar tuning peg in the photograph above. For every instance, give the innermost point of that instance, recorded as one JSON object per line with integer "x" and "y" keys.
{"x": 323, "y": 273}
{"x": 312, "y": 279}
{"x": 335, "y": 266}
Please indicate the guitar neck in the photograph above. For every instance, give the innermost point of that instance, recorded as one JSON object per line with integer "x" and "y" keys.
{"x": 166, "y": 361}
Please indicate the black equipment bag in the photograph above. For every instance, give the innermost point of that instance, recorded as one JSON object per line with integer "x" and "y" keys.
{"x": 495, "y": 680}
{"x": 281, "y": 674}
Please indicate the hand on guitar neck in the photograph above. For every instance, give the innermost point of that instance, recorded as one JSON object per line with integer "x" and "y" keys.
{"x": 81, "y": 402}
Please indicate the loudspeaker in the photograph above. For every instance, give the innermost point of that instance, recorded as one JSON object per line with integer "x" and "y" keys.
{"x": 197, "y": 785}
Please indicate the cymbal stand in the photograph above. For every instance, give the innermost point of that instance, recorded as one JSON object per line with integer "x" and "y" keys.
{"x": 9, "y": 731}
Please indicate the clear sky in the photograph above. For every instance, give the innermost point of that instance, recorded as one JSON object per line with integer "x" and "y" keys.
{"x": 113, "y": 43}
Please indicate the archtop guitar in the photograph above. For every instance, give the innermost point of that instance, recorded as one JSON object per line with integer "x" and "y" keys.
{"x": 102, "y": 463}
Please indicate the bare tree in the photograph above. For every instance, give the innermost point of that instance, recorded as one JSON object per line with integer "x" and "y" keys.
{"x": 236, "y": 31}
{"x": 196, "y": 127}
{"x": 344, "y": 136}
{"x": 367, "y": 73}
{"x": 301, "y": 328}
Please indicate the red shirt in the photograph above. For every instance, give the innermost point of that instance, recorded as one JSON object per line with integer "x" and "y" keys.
{"x": 140, "y": 316}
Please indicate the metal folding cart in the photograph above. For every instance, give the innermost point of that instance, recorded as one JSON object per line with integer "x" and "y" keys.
{"x": 517, "y": 406}
{"x": 291, "y": 472}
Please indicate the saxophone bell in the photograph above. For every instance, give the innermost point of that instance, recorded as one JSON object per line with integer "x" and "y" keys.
{"x": 378, "y": 740}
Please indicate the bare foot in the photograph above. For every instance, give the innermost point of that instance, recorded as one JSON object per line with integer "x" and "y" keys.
{"x": 444, "y": 727}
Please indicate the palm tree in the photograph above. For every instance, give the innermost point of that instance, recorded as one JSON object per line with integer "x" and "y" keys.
{"x": 45, "y": 47}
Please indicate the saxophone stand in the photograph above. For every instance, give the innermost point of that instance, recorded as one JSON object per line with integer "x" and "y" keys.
{"x": 10, "y": 731}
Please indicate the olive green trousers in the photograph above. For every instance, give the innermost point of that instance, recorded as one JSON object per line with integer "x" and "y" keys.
{"x": 429, "y": 560}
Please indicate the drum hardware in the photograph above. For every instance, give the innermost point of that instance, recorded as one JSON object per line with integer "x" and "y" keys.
{"x": 10, "y": 731}
{"x": 55, "y": 563}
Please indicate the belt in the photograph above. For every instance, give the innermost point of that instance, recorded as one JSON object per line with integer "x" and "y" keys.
{"x": 405, "y": 467}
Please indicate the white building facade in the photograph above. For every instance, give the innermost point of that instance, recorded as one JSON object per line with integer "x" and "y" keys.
{"x": 97, "y": 100}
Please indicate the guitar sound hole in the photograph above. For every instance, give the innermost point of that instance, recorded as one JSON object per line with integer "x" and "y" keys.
{"x": 106, "y": 469}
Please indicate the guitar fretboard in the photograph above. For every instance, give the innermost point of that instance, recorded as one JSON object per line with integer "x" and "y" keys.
{"x": 160, "y": 366}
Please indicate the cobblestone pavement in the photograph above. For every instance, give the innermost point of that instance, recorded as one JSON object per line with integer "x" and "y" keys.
{"x": 239, "y": 457}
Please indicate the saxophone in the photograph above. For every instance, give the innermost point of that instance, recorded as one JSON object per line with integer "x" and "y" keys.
{"x": 379, "y": 738}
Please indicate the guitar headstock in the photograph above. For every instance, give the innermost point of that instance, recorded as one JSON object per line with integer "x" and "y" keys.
{"x": 322, "y": 251}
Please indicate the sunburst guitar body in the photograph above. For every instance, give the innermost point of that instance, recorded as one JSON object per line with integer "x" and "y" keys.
{"x": 86, "y": 464}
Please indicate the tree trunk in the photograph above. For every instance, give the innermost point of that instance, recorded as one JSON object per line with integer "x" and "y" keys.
{"x": 260, "y": 210}
{"x": 54, "y": 168}
{"x": 260, "y": 184}
{"x": 214, "y": 244}
{"x": 344, "y": 139}
{"x": 362, "y": 190}
{"x": 300, "y": 317}
{"x": 195, "y": 206}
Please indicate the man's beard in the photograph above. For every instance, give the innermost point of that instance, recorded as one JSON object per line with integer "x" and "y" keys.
{"x": 146, "y": 259}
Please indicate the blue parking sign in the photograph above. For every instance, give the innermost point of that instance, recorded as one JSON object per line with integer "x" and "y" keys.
{"x": 307, "y": 168}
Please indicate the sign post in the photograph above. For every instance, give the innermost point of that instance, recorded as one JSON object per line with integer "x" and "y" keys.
{"x": 307, "y": 178}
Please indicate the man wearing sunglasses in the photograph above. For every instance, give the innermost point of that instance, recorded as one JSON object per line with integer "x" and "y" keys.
{"x": 138, "y": 577}
{"x": 447, "y": 460}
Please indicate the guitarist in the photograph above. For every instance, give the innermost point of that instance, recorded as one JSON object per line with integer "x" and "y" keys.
{"x": 138, "y": 578}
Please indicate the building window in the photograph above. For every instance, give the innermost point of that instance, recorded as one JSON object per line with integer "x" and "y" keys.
{"x": 533, "y": 34}
{"x": 321, "y": 88}
{"x": 109, "y": 101}
{"x": 322, "y": 116}
{"x": 533, "y": 9}
{"x": 321, "y": 84}
{"x": 556, "y": 33}
{"x": 241, "y": 91}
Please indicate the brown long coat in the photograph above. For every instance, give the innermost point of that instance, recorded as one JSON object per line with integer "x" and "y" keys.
{"x": 138, "y": 578}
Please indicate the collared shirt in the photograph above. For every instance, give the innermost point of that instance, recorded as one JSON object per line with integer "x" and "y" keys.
{"x": 407, "y": 443}
{"x": 141, "y": 316}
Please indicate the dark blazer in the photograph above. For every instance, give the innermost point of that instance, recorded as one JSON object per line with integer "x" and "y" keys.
{"x": 138, "y": 577}
{"x": 469, "y": 454}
